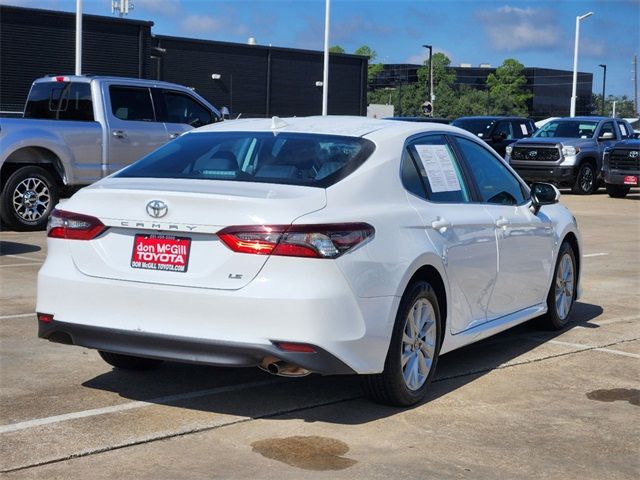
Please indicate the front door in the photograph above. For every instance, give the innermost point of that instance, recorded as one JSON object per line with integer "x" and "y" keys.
{"x": 525, "y": 241}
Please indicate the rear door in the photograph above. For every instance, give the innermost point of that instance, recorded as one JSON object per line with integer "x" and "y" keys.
{"x": 133, "y": 129}
{"x": 461, "y": 231}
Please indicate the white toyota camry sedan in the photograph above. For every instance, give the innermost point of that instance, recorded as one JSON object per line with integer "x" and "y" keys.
{"x": 335, "y": 245}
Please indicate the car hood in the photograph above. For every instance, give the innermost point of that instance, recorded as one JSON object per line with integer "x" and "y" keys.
{"x": 576, "y": 142}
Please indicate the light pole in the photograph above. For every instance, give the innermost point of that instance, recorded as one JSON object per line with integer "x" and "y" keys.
{"x": 431, "y": 98}
{"x": 604, "y": 82}
{"x": 325, "y": 74}
{"x": 78, "y": 37}
{"x": 575, "y": 63}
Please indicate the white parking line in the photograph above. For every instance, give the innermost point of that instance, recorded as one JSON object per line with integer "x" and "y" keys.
{"x": 594, "y": 347}
{"x": 601, "y": 254}
{"x": 17, "y": 315}
{"x": 14, "y": 427}
{"x": 24, "y": 257}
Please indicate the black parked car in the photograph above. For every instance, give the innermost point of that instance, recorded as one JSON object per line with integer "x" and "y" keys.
{"x": 498, "y": 132}
{"x": 621, "y": 167}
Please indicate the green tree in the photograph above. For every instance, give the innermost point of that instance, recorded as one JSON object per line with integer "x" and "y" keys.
{"x": 366, "y": 51}
{"x": 507, "y": 89}
{"x": 336, "y": 49}
{"x": 624, "y": 105}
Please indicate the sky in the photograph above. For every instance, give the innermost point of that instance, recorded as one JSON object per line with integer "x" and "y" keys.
{"x": 537, "y": 33}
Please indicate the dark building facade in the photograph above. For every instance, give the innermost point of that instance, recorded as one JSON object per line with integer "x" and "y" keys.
{"x": 551, "y": 89}
{"x": 252, "y": 80}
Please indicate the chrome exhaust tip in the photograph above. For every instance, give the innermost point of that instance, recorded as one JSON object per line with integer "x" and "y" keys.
{"x": 281, "y": 368}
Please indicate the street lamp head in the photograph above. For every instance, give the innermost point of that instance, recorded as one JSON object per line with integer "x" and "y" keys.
{"x": 586, "y": 15}
{"x": 216, "y": 76}
{"x": 603, "y": 66}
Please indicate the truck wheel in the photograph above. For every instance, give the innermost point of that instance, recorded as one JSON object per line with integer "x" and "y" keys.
{"x": 413, "y": 351}
{"x": 127, "y": 362}
{"x": 617, "y": 191}
{"x": 585, "y": 183}
{"x": 27, "y": 198}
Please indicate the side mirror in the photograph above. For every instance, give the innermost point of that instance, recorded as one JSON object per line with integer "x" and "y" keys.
{"x": 607, "y": 136}
{"x": 543, "y": 194}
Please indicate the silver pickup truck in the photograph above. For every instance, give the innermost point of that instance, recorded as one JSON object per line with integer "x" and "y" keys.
{"x": 78, "y": 129}
{"x": 568, "y": 151}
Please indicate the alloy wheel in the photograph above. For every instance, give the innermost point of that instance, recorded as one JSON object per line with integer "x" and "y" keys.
{"x": 31, "y": 199}
{"x": 564, "y": 286}
{"x": 418, "y": 344}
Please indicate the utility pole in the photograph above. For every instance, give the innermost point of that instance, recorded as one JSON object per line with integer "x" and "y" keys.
{"x": 431, "y": 96}
{"x": 575, "y": 63}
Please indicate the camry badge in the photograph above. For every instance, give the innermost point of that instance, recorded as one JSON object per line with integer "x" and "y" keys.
{"x": 634, "y": 153}
{"x": 157, "y": 208}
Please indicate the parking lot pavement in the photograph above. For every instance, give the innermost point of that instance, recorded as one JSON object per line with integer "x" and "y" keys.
{"x": 523, "y": 404}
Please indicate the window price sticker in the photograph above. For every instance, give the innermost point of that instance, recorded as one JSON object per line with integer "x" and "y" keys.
{"x": 438, "y": 164}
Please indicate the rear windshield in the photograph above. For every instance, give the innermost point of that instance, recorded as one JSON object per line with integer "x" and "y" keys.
{"x": 567, "y": 129}
{"x": 286, "y": 158}
{"x": 60, "y": 101}
{"x": 477, "y": 126}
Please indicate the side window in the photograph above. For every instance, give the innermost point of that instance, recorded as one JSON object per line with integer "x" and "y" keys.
{"x": 60, "y": 101}
{"x": 430, "y": 164}
{"x": 181, "y": 108}
{"x": 607, "y": 128}
{"x": 504, "y": 128}
{"x": 496, "y": 184}
{"x": 624, "y": 131}
{"x": 131, "y": 103}
{"x": 521, "y": 129}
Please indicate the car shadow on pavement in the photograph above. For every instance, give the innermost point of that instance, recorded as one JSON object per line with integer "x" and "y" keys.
{"x": 16, "y": 248}
{"x": 273, "y": 397}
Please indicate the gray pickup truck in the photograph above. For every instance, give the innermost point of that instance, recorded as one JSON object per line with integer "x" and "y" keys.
{"x": 568, "y": 151}
{"x": 78, "y": 129}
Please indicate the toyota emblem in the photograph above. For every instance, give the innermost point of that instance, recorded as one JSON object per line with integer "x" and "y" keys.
{"x": 634, "y": 153}
{"x": 533, "y": 153}
{"x": 157, "y": 208}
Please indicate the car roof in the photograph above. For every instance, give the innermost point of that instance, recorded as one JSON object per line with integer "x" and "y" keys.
{"x": 582, "y": 119}
{"x": 490, "y": 117}
{"x": 91, "y": 78}
{"x": 351, "y": 126}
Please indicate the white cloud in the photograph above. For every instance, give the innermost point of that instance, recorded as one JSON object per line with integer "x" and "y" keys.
{"x": 202, "y": 25}
{"x": 514, "y": 28}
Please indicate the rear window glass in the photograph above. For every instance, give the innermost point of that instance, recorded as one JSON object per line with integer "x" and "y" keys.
{"x": 60, "y": 101}
{"x": 285, "y": 158}
{"x": 131, "y": 103}
{"x": 477, "y": 126}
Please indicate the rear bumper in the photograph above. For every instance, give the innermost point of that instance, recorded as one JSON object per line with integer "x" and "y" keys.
{"x": 182, "y": 349}
{"x": 552, "y": 174}
{"x": 286, "y": 302}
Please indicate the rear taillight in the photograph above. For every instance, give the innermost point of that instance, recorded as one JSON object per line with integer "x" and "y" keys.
{"x": 73, "y": 226}
{"x": 315, "y": 241}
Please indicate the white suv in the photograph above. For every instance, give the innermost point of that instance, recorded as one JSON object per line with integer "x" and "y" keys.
{"x": 333, "y": 245}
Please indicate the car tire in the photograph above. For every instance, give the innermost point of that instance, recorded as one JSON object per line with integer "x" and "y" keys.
{"x": 562, "y": 293}
{"x": 27, "y": 198}
{"x": 412, "y": 357}
{"x": 128, "y": 362}
{"x": 586, "y": 181}
{"x": 617, "y": 191}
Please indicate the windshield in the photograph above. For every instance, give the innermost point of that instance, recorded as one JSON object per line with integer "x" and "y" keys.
{"x": 285, "y": 158}
{"x": 477, "y": 126}
{"x": 567, "y": 129}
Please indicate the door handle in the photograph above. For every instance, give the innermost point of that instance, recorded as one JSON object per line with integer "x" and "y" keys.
{"x": 440, "y": 224}
{"x": 174, "y": 135}
{"x": 502, "y": 222}
{"x": 119, "y": 133}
